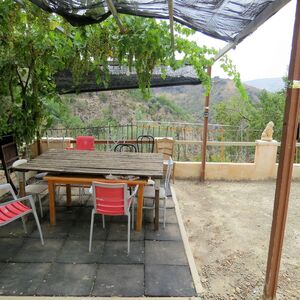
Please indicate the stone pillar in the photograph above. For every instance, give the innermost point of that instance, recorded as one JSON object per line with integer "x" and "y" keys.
{"x": 265, "y": 158}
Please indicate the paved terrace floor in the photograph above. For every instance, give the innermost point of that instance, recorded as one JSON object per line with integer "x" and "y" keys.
{"x": 156, "y": 266}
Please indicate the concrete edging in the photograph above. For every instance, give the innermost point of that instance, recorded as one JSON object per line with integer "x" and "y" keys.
{"x": 195, "y": 275}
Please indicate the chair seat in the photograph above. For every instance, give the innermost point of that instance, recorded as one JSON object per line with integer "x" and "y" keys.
{"x": 12, "y": 211}
{"x": 36, "y": 188}
{"x": 149, "y": 192}
{"x": 40, "y": 176}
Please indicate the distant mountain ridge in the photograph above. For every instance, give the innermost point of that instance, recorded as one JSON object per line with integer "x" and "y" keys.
{"x": 270, "y": 84}
{"x": 172, "y": 104}
{"x": 191, "y": 97}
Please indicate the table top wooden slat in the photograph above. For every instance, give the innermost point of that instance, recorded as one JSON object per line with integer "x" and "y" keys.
{"x": 97, "y": 163}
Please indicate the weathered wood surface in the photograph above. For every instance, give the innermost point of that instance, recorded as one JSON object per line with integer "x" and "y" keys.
{"x": 97, "y": 163}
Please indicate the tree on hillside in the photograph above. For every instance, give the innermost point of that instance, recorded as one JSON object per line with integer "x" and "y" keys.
{"x": 251, "y": 117}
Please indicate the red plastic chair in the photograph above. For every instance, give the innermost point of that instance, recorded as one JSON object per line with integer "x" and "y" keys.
{"x": 84, "y": 142}
{"x": 111, "y": 199}
{"x": 15, "y": 209}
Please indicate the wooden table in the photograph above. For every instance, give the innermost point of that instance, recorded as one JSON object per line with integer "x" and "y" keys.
{"x": 82, "y": 167}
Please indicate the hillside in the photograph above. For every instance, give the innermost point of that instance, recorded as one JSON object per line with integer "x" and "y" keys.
{"x": 173, "y": 104}
{"x": 122, "y": 107}
{"x": 269, "y": 84}
{"x": 191, "y": 98}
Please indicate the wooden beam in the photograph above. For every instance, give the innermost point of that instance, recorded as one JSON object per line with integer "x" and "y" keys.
{"x": 171, "y": 18}
{"x": 114, "y": 12}
{"x": 285, "y": 168}
{"x": 205, "y": 131}
{"x": 224, "y": 50}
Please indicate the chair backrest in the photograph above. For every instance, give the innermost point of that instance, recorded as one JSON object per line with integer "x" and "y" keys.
{"x": 145, "y": 143}
{"x": 8, "y": 187}
{"x": 17, "y": 163}
{"x": 8, "y": 155}
{"x": 110, "y": 198}
{"x": 164, "y": 146}
{"x": 85, "y": 143}
{"x": 125, "y": 148}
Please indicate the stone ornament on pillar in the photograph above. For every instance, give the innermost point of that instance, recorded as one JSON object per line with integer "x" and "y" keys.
{"x": 267, "y": 134}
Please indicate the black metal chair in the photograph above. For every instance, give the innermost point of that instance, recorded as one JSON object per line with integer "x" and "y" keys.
{"x": 125, "y": 148}
{"x": 8, "y": 155}
{"x": 145, "y": 143}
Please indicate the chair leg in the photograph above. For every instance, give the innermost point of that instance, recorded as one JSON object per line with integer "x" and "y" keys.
{"x": 91, "y": 230}
{"x": 81, "y": 194}
{"x": 165, "y": 211}
{"x": 40, "y": 202}
{"x": 57, "y": 193}
{"x": 173, "y": 173}
{"x": 38, "y": 225}
{"x": 132, "y": 223}
{"x": 128, "y": 235}
{"x": 103, "y": 221}
{"x": 24, "y": 224}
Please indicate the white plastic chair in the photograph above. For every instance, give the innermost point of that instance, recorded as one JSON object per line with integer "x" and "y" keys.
{"x": 164, "y": 192}
{"x": 111, "y": 199}
{"x": 35, "y": 189}
{"x": 15, "y": 209}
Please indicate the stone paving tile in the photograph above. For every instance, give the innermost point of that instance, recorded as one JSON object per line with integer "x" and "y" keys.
{"x": 22, "y": 278}
{"x": 84, "y": 214}
{"x": 33, "y": 251}
{"x": 68, "y": 280}
{"x": 171, "y": 217}
{"x": 77, "y": 251}
{"x": 165, "y": 253}
{"x": 59, "y": 231}
{"x": 81, "y": 230}
{"x": 9, "y": 247}
{"x": 16, "y": 229}
{"x": 168, "y": 281}
{"x": 118, "y": 232}
{"x": 119, "y": 280}
{"x": 156, "y": 265}
{"x": 170, "y": 233}
{"x": 116, "y": 219}
{"x": 64, "y": 214}
{"x": 115, "y": 252}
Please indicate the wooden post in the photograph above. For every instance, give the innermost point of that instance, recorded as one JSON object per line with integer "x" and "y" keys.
{"x": 38, "y": 141}
{"x": 222, "y": 150}
{"x": 284, "y": 175}
{"x": 205, "y": 131}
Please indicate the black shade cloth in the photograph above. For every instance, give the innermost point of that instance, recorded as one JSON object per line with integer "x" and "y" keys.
{"x": 121, "y": 78}
{"x": 227, "y": 20}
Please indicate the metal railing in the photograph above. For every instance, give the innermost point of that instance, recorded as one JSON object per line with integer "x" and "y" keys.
{"x": 188, "y": 137}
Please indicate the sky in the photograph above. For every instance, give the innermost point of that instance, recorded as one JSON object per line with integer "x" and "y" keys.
{"x": 266, "y": 52}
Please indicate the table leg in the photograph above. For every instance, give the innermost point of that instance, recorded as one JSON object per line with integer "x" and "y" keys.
{"x": 140, "y": 203}
{"x": 68, "y": 192}
{"x": 51, "y": 191}
{"x": 156, "y": 219}
{"x": 21, "y": 177}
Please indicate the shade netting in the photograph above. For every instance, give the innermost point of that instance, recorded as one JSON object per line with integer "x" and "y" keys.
{"x": 227, "y": 20}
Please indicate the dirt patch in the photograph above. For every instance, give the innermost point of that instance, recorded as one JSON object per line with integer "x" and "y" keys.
{"x": 228, "y": 224}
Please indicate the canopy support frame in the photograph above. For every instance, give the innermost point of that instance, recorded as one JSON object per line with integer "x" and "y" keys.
{"x": 285, "y": 168}
{"x": 171, "y": 18}
{"x": 205, "y": 131}
{"x": 114, "y": 12}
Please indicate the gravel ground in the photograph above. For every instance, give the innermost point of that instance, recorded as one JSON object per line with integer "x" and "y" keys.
{"x": 228, "y": 224}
